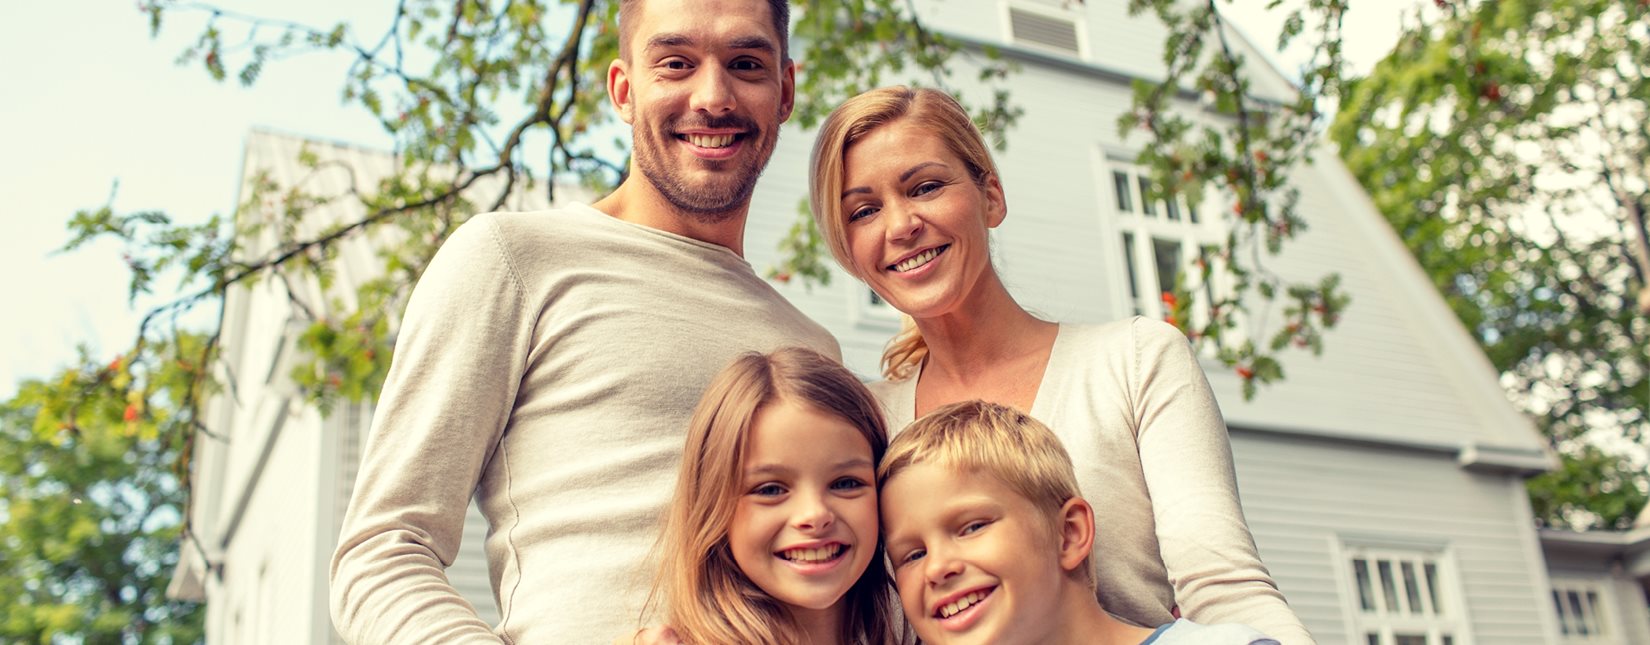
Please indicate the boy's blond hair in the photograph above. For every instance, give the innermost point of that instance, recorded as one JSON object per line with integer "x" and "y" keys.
{"x": 995, "y": 440}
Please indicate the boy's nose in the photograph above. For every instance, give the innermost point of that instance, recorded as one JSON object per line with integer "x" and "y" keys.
{"x": 939, "y": 566}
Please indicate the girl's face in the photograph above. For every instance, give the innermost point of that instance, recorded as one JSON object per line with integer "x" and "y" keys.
{"x": 916, "y": 219}
{"x": 805, "y": 527}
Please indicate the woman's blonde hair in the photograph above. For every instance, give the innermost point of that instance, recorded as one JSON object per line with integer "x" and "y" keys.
{"x": 857, "y": 117}
{"x": 995, "y": 441}
{"x": 708, "y": 599}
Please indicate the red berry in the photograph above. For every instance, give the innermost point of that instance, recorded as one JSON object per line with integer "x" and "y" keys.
{"x": 131, "y": 412}
{"x": 1246, "y": 373}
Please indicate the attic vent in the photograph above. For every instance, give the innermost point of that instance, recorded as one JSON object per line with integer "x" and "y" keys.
{"x": 1038, "y": 28}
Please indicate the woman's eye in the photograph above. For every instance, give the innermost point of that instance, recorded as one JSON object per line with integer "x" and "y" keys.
{"x": 926, "y": 187}
{"x": 862, "y": 212}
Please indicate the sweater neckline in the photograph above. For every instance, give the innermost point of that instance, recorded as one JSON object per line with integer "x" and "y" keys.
{"x": 618, "y": 224}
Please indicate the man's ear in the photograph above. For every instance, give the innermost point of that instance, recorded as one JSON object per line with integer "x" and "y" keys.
{"x": 618, "y": 88}
{"x": 1076, "y": 533}
{"x": 787, "y": 91}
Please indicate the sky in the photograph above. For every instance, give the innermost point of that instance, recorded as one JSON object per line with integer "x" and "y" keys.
{"x": 90, "y": 99}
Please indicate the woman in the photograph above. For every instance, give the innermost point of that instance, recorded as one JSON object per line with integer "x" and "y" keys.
{"x": 904, "y": 190}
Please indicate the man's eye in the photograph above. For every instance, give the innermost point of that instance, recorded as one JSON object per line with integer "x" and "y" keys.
{"x": 674, "y": 64}
{"x": 745, "y": 65}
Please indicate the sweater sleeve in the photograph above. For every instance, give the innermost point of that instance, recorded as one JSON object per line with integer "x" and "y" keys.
{"x": 1186, "y": 457}
{"x": 459, "y": 358}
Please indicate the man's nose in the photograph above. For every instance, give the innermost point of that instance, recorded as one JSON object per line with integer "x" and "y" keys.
{"x": 713, "y": 92}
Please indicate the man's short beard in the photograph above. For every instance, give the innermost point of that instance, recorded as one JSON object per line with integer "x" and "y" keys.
{"x": 708, "y": 204}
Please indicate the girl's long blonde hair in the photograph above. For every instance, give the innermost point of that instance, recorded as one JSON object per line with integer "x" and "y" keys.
{"x": 857, "y": 117}
{"x": 707, "y": 598}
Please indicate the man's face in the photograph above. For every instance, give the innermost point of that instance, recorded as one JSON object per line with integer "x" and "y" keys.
{"x": 704, "y": 90}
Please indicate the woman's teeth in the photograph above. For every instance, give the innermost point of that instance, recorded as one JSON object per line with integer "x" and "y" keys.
{"x": 918, "y": 260}
{"x": 710, "y": 140}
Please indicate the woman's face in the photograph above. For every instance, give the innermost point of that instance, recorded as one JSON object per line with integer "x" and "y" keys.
{"x": 806, "y": 526}
{"x": 916, "y": 220}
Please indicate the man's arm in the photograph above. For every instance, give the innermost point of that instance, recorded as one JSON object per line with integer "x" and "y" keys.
{"x": 459, "y": 358}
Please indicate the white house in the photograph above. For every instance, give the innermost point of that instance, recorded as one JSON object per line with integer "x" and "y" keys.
{"x": 1383, "y": 481}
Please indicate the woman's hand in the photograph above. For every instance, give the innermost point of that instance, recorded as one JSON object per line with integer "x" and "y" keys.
{"x": 651, "y": 636}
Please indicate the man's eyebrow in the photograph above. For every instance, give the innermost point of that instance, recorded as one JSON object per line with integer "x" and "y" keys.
{"x": 753, "y": 42}
{"x": 668, "y": 40}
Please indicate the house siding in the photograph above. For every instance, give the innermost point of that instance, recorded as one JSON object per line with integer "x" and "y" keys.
{"x": 1304, "y": 498}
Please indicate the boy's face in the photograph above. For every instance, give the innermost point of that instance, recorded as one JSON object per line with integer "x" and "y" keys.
{"x": 974, "y": 561}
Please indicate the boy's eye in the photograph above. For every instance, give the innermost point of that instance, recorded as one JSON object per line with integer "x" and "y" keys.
{"x": 974, "y": 526}
{"x": 912, "y": 556}
{"x": 768, "y": 490}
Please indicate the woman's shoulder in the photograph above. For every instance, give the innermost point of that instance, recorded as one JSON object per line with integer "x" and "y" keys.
{"x": 1139, "y": 332}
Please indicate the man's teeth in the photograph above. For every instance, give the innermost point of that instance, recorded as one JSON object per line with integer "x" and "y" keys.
{"x": 962, "y": 603}
{"x": 917, "y": 260}
{"x": 809, "y": 556}
{"x": 710, "y": 140}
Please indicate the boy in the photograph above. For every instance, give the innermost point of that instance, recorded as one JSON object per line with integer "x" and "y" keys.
{"x": 990, "y": 539}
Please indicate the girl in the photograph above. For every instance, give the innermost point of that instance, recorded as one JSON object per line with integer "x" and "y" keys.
{"x": 772, "y": 536}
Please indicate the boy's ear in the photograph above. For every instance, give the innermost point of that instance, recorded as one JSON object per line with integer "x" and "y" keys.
{"x": 1076, "y": 533}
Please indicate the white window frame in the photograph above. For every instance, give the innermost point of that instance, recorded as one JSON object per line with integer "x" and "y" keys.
{"x": 1596, "y": 625}
{"x": 1442, "y": 614}
{"x": 1136, "y": 232}
{"x": 1071, "y": 10}
{"x": 869, "y": 311}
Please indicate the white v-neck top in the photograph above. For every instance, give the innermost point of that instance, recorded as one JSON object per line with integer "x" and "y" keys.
{"x": 1135, "y": 412}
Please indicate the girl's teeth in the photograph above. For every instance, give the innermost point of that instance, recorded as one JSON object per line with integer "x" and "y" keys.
{"x": 811, "y": 555}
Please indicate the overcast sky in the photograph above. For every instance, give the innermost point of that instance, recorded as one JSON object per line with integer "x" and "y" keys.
{"x": 91, "y": 99}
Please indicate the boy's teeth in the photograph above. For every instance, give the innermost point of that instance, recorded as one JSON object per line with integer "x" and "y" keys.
{"x": 962, "y": 603}
{"x": 916, "y": 260}
{"x": 710, "y": 140}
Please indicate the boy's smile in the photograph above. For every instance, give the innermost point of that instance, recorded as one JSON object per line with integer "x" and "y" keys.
{"x": 974, "y": 561}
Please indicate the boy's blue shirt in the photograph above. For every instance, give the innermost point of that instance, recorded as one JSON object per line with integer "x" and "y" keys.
{"x": 1185, "y": 632}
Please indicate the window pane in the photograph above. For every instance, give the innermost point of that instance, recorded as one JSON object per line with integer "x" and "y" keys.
{"x": 1410, "y": 639}
{"x": 1431, "y": 571}
{"x": 1168, "y": 263}
{"x": 1373, "y": 638}
{"x": 1121, "y": 182}
{"x": 1408, "y": 569}
{"x": 1145, "y": 196}
{"x": 1389, "y": 587}
{"x": 875, "y": 300}
{"x": 1134, "y": 281}
{"x": 1172, "y": 208}
{"x": 1191, "y": 212}
{"x": 1563, "y": 616}
{"x": 1449, "y": 640}
{"x": 1594, "y": 616}
{"x": 1581, "y": 618}
{"x": 1366, "y": 594}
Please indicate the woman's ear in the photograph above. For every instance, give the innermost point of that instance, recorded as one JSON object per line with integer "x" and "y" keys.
{"x": 996, "y": 208}
{"x": 1076, "y": 533}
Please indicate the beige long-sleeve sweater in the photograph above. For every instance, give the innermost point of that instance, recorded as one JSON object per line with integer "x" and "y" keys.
{"x": 1135, "y": 412}
{"x": 547, "y": 364}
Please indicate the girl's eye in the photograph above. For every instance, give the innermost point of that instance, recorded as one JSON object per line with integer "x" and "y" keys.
{"x": 768, "y": 490}
{"x": 848, "y": 483}
{"x": 862, "y": 212}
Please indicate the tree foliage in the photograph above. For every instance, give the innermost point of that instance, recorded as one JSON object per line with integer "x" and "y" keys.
{"x": 92, "y": 503}
{"x": 486, "y": 99}
{"x": 1507, "y": 143}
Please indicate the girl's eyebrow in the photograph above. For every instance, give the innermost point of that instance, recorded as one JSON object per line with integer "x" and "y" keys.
{"x": 781, "y": 469}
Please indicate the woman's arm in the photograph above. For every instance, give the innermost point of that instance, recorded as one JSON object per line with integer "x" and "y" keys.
{"x": 1186, "y": 457}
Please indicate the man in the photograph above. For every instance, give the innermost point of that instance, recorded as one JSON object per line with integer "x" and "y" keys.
{"x": 548, "y": 362}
